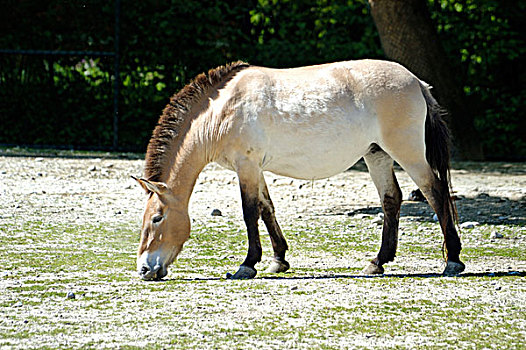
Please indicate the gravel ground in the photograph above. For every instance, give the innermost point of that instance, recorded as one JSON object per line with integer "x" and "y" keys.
{"x": 74, "y": 190}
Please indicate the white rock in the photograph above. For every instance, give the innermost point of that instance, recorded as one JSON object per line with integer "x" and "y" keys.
{"x": 361, "y": 216}
{"x": 377, "y": 220}
{"x": 469, "y": 224}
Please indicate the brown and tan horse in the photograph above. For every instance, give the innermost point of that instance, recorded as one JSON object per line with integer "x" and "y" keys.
{"x": 307, "y": 123}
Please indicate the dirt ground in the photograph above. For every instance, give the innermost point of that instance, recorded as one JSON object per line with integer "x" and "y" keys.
{"x": 72, "y": 190}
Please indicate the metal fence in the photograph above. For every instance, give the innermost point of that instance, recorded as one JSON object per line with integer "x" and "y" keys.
{"x": 116, "y": 68}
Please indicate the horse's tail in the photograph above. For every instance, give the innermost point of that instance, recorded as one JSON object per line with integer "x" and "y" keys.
{"x": 438, "y": 142}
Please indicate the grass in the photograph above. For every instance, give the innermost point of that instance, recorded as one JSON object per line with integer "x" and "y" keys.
{"x": 321, "y": 303}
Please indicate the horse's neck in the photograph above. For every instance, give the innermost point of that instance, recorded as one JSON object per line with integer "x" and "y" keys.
{"x": 188, "y": 164}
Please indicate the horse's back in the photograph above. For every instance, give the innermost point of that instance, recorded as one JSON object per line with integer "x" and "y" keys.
{"x": 316, "y": 121}
{"x": 368, "y": 78}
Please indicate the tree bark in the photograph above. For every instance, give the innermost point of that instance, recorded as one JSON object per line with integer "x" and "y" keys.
{"x": 409, "y": 37}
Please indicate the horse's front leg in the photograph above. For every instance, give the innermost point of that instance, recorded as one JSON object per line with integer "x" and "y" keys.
{"x": 249, "y": 184}
{"x": 279, "y": 244}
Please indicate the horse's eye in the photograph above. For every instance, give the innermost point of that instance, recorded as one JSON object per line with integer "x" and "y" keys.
{"x": 157, "y": 218}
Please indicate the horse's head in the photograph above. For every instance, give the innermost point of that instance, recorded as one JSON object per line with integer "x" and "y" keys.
{"x": 165, "y": 228}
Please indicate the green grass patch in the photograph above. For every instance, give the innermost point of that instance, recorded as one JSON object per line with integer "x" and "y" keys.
{"x": 321, "y": 303}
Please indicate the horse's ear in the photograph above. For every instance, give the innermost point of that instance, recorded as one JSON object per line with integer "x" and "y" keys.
{"x": 159, "y": 188}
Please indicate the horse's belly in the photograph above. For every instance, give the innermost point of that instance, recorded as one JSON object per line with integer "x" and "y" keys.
{"x": 316, "y": 153}
{"x": 312, "y": 167}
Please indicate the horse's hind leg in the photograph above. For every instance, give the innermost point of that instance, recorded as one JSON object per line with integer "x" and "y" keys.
{"x": 438, "y": 196}
{"x": 279, "y": 244}
{"x": 380, "y": 166}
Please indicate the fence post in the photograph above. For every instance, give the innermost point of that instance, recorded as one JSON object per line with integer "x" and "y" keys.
{"x": 116, "y": 81}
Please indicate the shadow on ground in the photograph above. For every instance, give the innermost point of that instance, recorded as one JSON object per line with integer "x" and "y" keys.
{"x": 285, "y": 276}
{"x": 507, "y": 168}
{"x": 483, "y": 208}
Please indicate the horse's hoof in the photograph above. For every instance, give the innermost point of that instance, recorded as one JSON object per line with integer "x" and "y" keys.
{"x": 373, "y": 269}
{"x": 244, "y": 273}
{"x": 278, "y": 266}
{"x": 453, "y": 268}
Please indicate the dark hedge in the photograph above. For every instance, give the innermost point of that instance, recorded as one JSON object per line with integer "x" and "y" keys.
{"x": 68, "y": 100}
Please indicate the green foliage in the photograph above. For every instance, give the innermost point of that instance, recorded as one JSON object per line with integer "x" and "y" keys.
{"x": 51, "y": 99}
{"x": 293, "y": 33}
{"x": 484, "y": 39}
{"x": 164, "y": 44}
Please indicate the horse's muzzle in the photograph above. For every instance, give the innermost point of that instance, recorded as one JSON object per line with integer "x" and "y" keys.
{"x": 148, "y": 273}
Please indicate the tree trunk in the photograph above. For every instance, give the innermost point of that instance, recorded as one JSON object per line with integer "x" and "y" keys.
{"x": 409, "y": 37}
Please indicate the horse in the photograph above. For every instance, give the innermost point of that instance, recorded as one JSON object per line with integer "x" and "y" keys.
{"x": 309, "y": 123}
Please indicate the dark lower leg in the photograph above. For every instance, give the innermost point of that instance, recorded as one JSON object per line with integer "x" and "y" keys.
{"x": 251, "y": 214}
{"x": 391, "y": 205}
{"x": 444, "y": 208}
{"x": 380, "y": 166}
{"x": 279, "y": 244}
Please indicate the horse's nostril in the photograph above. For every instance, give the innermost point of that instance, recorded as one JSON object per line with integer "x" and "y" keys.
{"x": 144, "y": 270}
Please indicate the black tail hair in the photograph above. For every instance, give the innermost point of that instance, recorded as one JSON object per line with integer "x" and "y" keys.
{"x": 438, "y": 144}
